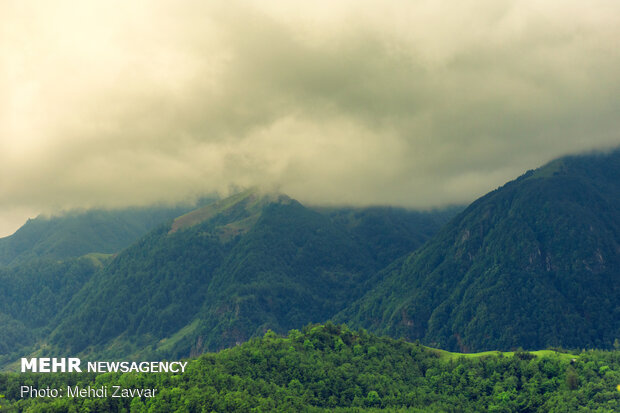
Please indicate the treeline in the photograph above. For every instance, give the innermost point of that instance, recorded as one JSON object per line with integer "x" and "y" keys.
{"x": 331, "y": 368}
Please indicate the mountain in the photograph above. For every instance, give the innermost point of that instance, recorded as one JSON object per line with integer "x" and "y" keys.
{"x": 535, "y": 263}
{"x": 76, "y": 233}
{"x": 218, "y": 275}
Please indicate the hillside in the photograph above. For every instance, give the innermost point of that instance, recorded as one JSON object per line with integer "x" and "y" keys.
{"x": 535, "y": 263}
{"x": 333, "y": 369}
{"x": 31, "y": 296}
{"x": 76, "y": 233}
{"x": 216, "y": 276}
{"x": 389, "y": 232}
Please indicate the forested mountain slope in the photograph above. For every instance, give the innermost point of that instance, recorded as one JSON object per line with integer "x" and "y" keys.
{"x": 76, "y": 233}
{"x": 32, "y": 295}
{"x": 535, "y": 263}
{"x": 231, "y": 270}
{"x": 389, "y": 232}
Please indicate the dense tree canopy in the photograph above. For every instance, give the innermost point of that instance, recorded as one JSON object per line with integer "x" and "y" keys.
{"x": 331, "y": 368}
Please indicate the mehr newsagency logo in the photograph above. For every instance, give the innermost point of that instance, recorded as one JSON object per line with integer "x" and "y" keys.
{"x": 74, "y": 365}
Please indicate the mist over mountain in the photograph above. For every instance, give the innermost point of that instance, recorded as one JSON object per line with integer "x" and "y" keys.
{"x": 535, "y": 263}
{"x": 76, "y": 233}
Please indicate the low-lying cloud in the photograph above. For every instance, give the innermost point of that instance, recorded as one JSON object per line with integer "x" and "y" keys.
{"x": 415, "y": 103}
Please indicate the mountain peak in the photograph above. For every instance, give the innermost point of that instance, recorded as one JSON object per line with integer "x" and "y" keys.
{"x": 540, "y": 251}
{"x": 242, "y": 206}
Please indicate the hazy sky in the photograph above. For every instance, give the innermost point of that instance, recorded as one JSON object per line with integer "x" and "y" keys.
{"x": 416, "y": 103}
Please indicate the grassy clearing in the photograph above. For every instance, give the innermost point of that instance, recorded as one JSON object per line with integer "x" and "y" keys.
{"x": 538, "y": 353}
{"x": 169, "y": 342}
{"x": 200, "y": 215}
{"x": 98, "y": 258}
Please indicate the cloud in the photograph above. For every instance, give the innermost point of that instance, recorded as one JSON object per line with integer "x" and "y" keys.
{"x": 415, "y": 103}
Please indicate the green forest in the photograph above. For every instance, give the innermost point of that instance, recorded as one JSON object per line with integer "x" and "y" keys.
{"x": 330, "y": 368}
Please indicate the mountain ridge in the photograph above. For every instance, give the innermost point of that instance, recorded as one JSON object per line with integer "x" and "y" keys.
{"x": 230, "y": 271}
{"x": 80, "y": 232}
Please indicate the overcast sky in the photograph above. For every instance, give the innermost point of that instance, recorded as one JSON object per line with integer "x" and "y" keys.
{"x": 414, "y": 103}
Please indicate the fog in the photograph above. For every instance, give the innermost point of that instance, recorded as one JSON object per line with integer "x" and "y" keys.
{"x": 411, "y": 103}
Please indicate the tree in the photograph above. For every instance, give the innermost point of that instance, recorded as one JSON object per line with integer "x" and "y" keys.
{"x": 572, "y": 380}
